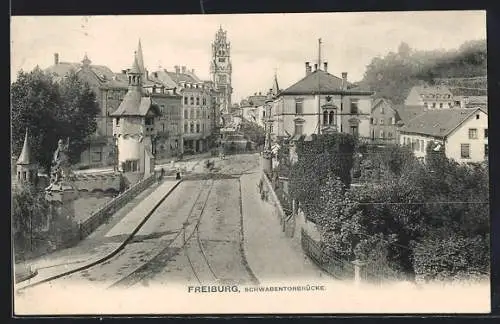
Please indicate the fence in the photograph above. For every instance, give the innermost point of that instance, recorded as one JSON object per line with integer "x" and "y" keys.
{"x": 329, "y": 262}
{"x": 284, "y": 214}
{"x": 101, "y": 215}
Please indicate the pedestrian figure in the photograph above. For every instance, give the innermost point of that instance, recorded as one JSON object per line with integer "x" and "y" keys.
{"x": 178, "y": 175}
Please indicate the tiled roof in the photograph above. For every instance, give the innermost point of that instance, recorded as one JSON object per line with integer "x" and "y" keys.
{"x": 440, "y": 89}
{"x": 378, "y": 101}
{"x": 179, "y": 77}
{"x": 105, "y": 76}
{"x": 324, "y": 82}
{"x": 468, "y": 92}
{"x": 438, "y": 123}
{"x": 406, "y": 113}
{"x": 133, "y": 104}
{"x": 163, "y": 77}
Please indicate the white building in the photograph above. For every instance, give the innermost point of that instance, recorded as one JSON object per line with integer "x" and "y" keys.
{"x": 462, "y": 132}
{"x": 431, "y": 97}
{"x": 322, "y": 102}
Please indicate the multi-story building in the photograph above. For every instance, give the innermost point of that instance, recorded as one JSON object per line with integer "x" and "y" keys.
{"x": 109, "y": 88}
{"x": 431, "y": 97}
{"x": 463, "y": 133}
{"x": 470, "y": 101}
{"x": 386, "y": 119}
{"x": 320, "y": 103}
{"x": 221, "y": 70}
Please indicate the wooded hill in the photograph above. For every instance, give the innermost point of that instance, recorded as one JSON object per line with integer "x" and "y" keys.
{"x": 393, "y": 75}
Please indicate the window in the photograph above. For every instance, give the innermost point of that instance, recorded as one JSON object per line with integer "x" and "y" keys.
{"x": 185, "y": 100}
{"x": 186, "y": 115}
{"x": 457, "y": 103}
{"x": 299, "y": 106}
{"x": 118, "y": 122}
{"x": 222, "y": 59}
{"x": 433, "y": 105}
{"x": 163, "y": 127}
{"x": 197, "y": 128}
{"x": 426, "y": 105}
{"x": 204, "y": 101}
{"x": 185, "y": 128}
{"x": 393, "y": 121}
{"x": 162, "y": 109}
{"x": 477, "y": 116}
{"x": 382, "y": 110}
{"x": 191, "y": 101}
{"x": 97, "y": 155}
{"x": 382, "y": 135}
{"x": 325, "y": 117}
{"x": 486, "y": 133}
{"x": 354, "y": 130}
{"x": 381, "y": 121}
{"x": 197, "y": 101}
{"x": 485, "y": 151}
{"x": 374, "y": 121}
{"x": 191, "y": 129}
{"x": 472, "y": 133}
{"x": 149, "y": 121}
{"x": 299, "y": 128}
{"x": 331, "y": 119}
{"x": 371, "y": 121}
{"x": 389, "y": 135}
{"x": 354, "y": 106}
{"x": 465, "y": 151}
{"x": 417, "y": 145}
{"x": 441, "y": 105}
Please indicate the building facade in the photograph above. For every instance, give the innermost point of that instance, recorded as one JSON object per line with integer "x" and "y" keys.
{"x": 431, "y": 97}
{"x": 221, "y": 70}
{"x": 463, "y": 133}
{"x": 383, "y": 122}
{"x": 321, "y": 103}
{"x": 109, "y": 88}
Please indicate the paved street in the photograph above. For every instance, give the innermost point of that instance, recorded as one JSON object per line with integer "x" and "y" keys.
{"x": 214, "y": 247}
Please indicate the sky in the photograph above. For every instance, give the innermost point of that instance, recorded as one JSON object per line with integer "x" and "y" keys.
{"x": 262, "y": 44}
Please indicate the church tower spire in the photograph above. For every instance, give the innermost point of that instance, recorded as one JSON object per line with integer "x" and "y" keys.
{"x": 140, "y": 59}
{"x": 135, "y": 74}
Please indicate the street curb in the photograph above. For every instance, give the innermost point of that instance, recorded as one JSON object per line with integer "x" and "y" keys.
{"x": 254, "y": 279}
{"x": 112, "y": 254}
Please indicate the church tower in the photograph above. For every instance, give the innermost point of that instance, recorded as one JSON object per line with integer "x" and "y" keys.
{"x": 27, "y": 170}
{"x": 221, "y": 70}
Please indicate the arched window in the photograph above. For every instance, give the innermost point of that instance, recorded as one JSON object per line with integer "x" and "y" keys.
{"x": 325, "y": 117}
{"x": 331, "y": 119}
{"x": 192, "y": 128}
{"x": 185, "y": 100}
{"x": 197, "y": 101}
{"x": 185, "y": 128}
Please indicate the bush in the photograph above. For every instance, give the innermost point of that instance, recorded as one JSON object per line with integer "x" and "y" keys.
{"x": 455, "y": 257}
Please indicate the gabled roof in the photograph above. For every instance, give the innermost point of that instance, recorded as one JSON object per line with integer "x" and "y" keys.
{"x": 438, "y": 123}
{"x": 426, "y": 89}
{"x": 134, "y": 104}
{"x": 379, "y": 101}
{"x": 25, "y": 156}
{"x": 405, "y": 113}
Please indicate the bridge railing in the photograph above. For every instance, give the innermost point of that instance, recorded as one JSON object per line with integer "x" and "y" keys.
{"x": 110, "y": 207}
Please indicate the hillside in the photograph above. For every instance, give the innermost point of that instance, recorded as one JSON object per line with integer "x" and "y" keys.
{"x": 393, "y": 75}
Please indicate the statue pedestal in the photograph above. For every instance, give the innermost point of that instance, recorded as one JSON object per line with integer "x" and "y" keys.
{"x": 61, "y": 197}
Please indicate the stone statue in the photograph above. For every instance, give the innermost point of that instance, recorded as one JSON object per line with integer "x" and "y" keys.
{"x": 60, "y": 162}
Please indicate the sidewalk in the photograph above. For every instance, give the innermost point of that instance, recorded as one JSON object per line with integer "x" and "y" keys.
{"x": 271, "y": 256}
{"x": 103, "y": 241}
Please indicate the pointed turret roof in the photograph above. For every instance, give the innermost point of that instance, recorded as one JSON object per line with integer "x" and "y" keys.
{"x": 86, "y": 60}
{"x": 135, "y": 66}
{"x": 140, "y": 57}
{"x": 276, "y": 88}
{"x": 25, "y": 156}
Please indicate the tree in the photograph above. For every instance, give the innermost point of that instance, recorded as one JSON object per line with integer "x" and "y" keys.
{"x": 30, "y": 210}
{"x": 51, "y": 111}
{"x": 77, "y": 114}
{"x": 34, "y": 101}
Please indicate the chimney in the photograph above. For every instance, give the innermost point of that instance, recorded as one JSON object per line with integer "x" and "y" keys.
{"x": 344, "y": 80}
{"x": 177, "y": 69}
{"x": 325, "y": 65}
{"x": 56, "y": 58}
{"x": 183, "y": 69}
{"x": 308, "y": 69}
{"x": 315, "y": 66}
